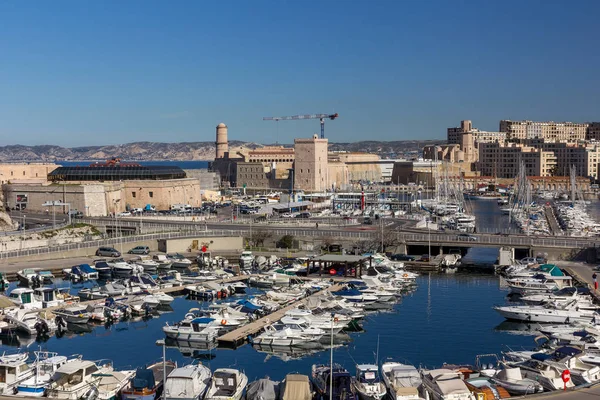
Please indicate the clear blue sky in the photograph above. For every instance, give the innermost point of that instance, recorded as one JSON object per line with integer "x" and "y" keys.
{"x": 102, "y": 72}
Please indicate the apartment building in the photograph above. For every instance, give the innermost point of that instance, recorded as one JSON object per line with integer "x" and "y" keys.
{"x": 548, "y": 130}
{"x": 504, "y": 160}
{"x": 585, "y": 157}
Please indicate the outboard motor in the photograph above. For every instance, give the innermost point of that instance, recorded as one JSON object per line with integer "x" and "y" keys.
{"x": 61, "y": 324}
{"x": 42, "y": 328}
{"x": 91, "y": 394}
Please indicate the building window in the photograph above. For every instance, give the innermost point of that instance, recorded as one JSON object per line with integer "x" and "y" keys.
{"x": 133, "y": 194}
{"x": 23, "y": 173}
{"x": 151, "y": 194}
{"x": 11, "y": 173}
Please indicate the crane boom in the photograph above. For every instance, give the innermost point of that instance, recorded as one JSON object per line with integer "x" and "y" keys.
{"x": 321, "y": 117}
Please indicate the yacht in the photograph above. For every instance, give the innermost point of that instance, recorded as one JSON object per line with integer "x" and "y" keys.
{"x": 53, "y": 297}
{"x": 548, "y": 313}
{"x": 445, "y": 384}
{"x": 46, "y": 364}
{"x": 401, "y": 380}
{"x": 227, "y": 384}
{"x": 327, "y": 325}
{"x": 13, "y": 370}
{"x": 367, "y": 382}
{"x": 187, "y": 383}
{"x": 120, "y": 267}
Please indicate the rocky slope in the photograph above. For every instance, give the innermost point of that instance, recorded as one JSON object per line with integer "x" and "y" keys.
{"x": 190, "y": 151}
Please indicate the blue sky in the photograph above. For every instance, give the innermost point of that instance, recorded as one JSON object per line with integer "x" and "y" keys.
{"x": 84, "y": 73}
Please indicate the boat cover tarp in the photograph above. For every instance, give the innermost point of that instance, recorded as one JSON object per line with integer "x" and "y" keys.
{"x": 297, "y": 387}
{"x": 406, "y": 376}
{"x": 541, "y": 356}
{"x": 144, "y": 378}
{"x": 347, "y": 292}
{"x": 552, "y": 269}
{"x": 510, "y": 374}
{"x": 566, "y": 351}
{"x": 263, "y": 389}
{"x": 202, "y": 320}
{"x": 313, "y": 302}
{"x": 87, "y": 269}
{"x": 247, "y": 305}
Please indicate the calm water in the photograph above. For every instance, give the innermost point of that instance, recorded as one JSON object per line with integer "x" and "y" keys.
{"x": 448, "y": 319}
{"x": 181, "y": 164}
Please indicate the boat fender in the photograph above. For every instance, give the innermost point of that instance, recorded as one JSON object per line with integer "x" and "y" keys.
{"x": 267, "y": 320}
{"x": 223, "y": 322}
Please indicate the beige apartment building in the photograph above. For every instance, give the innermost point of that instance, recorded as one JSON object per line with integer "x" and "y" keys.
{"x": 585, "y": 157}
{"x": 548, "y": 130}
{"x": 25, "y": 172}
{"x": 454, "y": 135}
{"x": 504, "y": 160}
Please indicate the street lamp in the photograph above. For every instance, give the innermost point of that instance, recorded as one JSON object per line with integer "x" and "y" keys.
{"x": 58, "y": 203}
{"x": 161, "y": 342}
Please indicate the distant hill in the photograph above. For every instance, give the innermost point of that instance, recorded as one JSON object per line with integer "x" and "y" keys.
{"x": 187, "y": 151}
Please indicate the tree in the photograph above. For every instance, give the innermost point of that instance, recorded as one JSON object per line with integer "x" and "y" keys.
{"x": 388, "y": 237}
{"x": 286, "y": 242}
{"x": 258, "y": 237}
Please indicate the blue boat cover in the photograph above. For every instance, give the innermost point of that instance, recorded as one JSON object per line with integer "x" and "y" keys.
{"x": 541, "y": 356}
{"x": 202, "y": 320}
{"x": 144, "y": 378}
{"x": 566, "y": 351}
{"x": 348, "y": 292}
{"x": 86, "y": 268}
{"x": 248, "y": 305}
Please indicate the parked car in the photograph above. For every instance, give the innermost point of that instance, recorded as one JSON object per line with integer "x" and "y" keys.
{"x": 402, "y": 257}
{"x": 107, "y": 252}
{"x": 467, "y": 237}
{"x": 303, "y": 215}
{"x": 424, "y": 258}
{"x": 124, "y": 214}
{"x": 140, "y": 250}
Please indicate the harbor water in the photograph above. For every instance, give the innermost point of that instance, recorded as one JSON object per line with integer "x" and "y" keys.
{"x": 449, "y": 318}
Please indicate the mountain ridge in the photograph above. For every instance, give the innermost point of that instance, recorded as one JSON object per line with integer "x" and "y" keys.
{"x": 185, "y": 151}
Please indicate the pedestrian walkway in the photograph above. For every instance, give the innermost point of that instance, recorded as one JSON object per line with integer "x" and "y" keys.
{"x": 551, "y": 218}
{"x": 581, "y": 272}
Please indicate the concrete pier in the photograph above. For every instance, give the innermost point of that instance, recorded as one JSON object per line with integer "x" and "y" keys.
{"x": 240, "y": 335}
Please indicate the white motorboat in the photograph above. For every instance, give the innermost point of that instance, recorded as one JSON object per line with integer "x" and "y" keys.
{"x": 401, "y": 380}
{"x": 148, "y": 381}
{"x": 227, "y": 384}
{"x": 111, "y": 383}
{"x": 46, "y": 364}
{"x": 179, "y": 262}
{"x": 513, "y": 381}
{"x": 53, "y": 297}
{"x": 445, "y": 384}
{"x": 30, "y": 322}
{"x": 77, "y": 379}
{"x": 547, "y": 313}
{"x": 246, "y": 259}
{"x": 164, "y": 263}
{"x": 149, "y": 265}
{"x": 75, "y": 314}
{"x": 367, "y": 383}
{"x": 202, "y": 329}
{"x": 548, "y": 375}
{"x": 14, "y": 370}
{"x": 187, "y": 383}
{"x": 27, "y": 276}
{"x": 327, "y": 326}
{"x": 122, "y": 268}
{"x": 24, "y": 298}
{"x": 282, "y": 335}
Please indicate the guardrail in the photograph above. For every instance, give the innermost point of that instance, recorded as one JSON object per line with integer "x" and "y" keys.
{"x": 34, "y": 230}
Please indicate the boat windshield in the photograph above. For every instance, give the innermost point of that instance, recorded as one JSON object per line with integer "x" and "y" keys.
{"x": 369, "y": 376}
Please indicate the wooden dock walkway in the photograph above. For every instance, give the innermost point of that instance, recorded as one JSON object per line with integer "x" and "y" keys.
{"x": 240, "y": 335}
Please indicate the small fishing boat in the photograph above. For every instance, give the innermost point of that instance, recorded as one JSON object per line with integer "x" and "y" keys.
{"x": 30, "y": 322}
{"x": 179, "y": 262}
{"x": 147, "y": 383}
{"x": 445, "y": 384}
{"x": 342, "y": 382}
{"x": 227, "y": 384}
{"x": 77, "y": 379}
{"x": 402, "y": 380}
{"x": 187, "y": 383}
{"x": 513, "y": 381}
{"x": 263, "y": 389}
{"x": 74, "y": 315}
{"x": 24, "y": 298}
{"x": 297, "y": 387}
{"x": 27, "y": 276}
{"x": 14, "y": 370}
{"x": 367, "y": 383}
{"x": 46, "y": 364}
